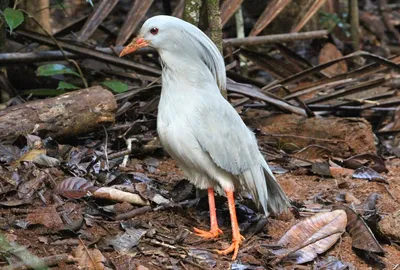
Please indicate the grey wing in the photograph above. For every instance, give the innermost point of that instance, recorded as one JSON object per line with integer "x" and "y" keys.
{"x": 233, "y": 147}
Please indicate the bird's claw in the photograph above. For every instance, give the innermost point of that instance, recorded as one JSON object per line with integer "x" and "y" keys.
{"x": 234, "y": 247}
{"x": 213, "y": 233}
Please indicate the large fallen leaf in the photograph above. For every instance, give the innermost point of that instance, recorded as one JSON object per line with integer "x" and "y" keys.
{"x": 75, "y": 188}
{"x": 90, "y": 259}
{"x": 362, "y": 236}
{"x": 312, "y": 236}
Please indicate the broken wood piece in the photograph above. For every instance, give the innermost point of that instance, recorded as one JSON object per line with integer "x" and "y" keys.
{"x": 344, "y": 137}
{"x": 64, "y": 116}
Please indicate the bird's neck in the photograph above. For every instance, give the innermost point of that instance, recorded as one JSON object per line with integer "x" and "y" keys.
{"x": 185, "y": 70}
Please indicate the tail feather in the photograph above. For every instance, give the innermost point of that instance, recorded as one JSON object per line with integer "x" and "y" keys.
{"x": 265, "y": 190}
{"x": 277, "y": 200}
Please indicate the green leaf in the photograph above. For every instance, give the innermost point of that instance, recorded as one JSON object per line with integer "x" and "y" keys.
{"x": 90, "y": 2}
{"x": 116, "y": 86}
{"x": 14, "y": 18}
{"x": 55, "y": 69}
{"x": 66, "y": 86}
{"x": 44, "y": 92}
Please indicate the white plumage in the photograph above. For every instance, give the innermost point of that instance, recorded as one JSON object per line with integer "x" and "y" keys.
{"x": 196, "y": 125}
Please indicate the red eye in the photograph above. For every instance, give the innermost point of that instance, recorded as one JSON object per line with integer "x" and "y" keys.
{"x": 154, "y": 31}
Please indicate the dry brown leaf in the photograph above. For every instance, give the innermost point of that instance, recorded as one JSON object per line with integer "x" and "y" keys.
{"x": 312, "y": 236}
{"x": 75, "y": 188}
{"x": 328, "y": 53}
{"x": 90, "y": 259}
{"x": 360, "y": 233}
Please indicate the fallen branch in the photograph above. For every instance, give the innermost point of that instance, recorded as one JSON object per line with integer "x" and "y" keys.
{"x": 258, "y": 40}
{"x": 67, "y": 115}
{"x": 90, "y": 53}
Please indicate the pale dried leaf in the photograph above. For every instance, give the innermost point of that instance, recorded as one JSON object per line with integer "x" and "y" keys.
{"x": 31, "y": 155}
{"x": 119, "y": 196}
{"x": 312, "y": 236}
{"x": 368, "y": 174}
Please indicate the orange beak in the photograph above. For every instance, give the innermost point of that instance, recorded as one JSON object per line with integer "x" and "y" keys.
{"x": 136, "y": 44}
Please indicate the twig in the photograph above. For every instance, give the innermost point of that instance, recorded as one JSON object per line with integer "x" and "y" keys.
{"x": 49, "y": 261}
{"x": 90, "y": 53}
{"x": 59, "y": 47}
{"x": 355, "y": 24}
{"x": 87, "y": 251}
{"x": 134, "y": 213}
{"x": 129, "y": 148}
{"x": 258, "y": 40}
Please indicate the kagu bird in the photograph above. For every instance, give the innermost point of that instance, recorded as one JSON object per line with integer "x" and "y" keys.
{"x": 199, "y": 128}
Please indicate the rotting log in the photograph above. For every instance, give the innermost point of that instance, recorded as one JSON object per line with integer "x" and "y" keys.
{"x": 65, "y": 116}
{"x": 344, "y": 137}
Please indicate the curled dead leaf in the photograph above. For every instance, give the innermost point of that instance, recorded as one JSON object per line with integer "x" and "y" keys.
{"x": 362, "y": 236}
{"x": 312, "y": 236}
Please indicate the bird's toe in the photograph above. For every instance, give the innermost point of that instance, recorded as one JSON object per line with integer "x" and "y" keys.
{"x": 234, "y": 247}
{"x": 211, "y": 234}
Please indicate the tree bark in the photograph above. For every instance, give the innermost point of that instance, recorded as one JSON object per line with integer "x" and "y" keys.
{"x": 191, "y": 12}
{"x": 40, "y": 10}
{"x": 214, "y": 22}
{"x": 64, "y": 116}
{"x": 3, "y": 6}
{"x": 344, "y": 137}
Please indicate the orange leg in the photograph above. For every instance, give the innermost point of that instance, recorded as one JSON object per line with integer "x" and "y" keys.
{"x": 237, "y": 238}
{"x": 214, "y": 231}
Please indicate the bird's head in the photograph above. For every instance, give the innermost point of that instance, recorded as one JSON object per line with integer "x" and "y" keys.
{"x": 180, "y": 40}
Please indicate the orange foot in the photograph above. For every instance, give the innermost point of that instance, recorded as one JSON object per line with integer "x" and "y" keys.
{"x": 213, "y": 233}
{"x": 234, "y": 247}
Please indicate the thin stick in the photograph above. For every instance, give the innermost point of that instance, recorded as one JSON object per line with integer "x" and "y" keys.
{"x": 258, "y": 40}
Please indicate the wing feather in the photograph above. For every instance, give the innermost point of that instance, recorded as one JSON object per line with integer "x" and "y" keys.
{"x": 233, "y": 147}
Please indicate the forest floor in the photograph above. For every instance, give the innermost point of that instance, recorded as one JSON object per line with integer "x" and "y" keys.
{"x": 166, "y": 252}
